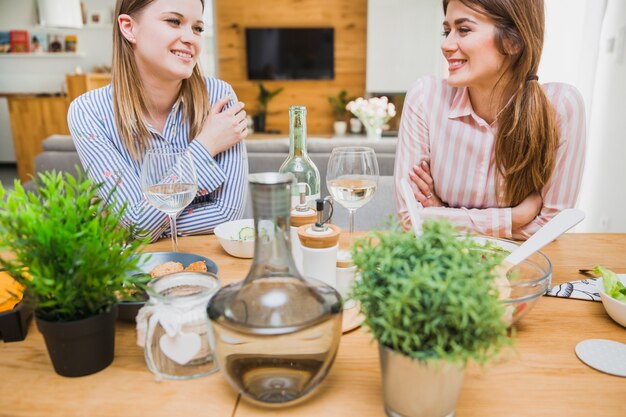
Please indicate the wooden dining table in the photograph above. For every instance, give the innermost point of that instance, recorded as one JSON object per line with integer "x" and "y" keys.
{"x": 540, "y": 376}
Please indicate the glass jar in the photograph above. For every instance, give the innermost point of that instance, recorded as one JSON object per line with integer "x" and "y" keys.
{"x": 179, "y": 339}
{"x": 277, "y": 334}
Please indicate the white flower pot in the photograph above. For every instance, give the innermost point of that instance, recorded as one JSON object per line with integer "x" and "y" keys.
{"x": 355, "y": 125}
{"x": 340, "y": 128}
{"x": 412, "y": 388}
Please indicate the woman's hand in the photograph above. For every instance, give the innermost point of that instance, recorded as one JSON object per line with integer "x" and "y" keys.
{"x": 425, "y": 193}
{"x": 526, "y": 211}
{"x": 223, "y": 129}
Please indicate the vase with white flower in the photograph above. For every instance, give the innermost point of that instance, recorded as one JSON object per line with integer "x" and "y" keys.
{"x": 374, "y": 113}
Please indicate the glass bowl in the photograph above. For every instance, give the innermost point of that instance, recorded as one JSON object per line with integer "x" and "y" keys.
{"x": 527, "y": 281}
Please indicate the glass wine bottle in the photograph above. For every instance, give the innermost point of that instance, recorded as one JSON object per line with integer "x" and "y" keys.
{"x": 298, "y": 162}
{"x": 276, "y": 333}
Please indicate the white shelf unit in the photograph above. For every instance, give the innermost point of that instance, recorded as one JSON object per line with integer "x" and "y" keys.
{"x": 20, "y": 55}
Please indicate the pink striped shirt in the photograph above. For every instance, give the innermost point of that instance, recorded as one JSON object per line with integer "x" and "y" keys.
{"x": 439, "y": 124}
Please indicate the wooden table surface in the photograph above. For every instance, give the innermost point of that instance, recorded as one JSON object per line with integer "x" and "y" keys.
{"x": 541, "y": 377}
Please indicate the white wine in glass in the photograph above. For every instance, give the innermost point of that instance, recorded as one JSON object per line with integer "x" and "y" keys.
{"x": 169, "y": 182}
{"x": 352, "y": 178}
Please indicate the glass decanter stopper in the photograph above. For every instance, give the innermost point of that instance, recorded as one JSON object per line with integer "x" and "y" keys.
{"x": 276, "y": 333}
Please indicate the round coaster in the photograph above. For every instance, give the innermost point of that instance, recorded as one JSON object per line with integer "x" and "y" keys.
{"x": 603, "y": 355}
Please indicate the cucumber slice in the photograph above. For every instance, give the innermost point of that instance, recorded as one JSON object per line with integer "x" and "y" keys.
{"x": 246, "y": 233}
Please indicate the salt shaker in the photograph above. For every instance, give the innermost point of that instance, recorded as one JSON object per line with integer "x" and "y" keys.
{"x": 319, "y": 247}
{"x": 302, "y": 214}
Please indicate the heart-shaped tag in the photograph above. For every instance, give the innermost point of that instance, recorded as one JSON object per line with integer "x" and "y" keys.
{"x": 181, "y": 348}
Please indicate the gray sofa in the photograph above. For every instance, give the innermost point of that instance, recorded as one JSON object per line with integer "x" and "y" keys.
{"x": 264, "y": 155}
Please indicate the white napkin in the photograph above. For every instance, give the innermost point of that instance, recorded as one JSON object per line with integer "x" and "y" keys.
{"x": 585, "y": 289}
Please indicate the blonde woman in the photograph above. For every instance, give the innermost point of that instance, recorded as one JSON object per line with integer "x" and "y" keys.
{"x": 490, "y": 148}
{"x": 159, "y": 98}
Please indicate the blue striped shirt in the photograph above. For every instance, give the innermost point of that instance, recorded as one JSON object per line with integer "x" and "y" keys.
{"x": 221, "y": 179}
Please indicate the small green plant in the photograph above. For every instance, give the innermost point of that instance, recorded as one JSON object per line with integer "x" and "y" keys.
{"x": 431, "y": 297}
{"x": 338, "y": 104}
{"x": 70, "y": 253}
{"x": 265, "y": 96}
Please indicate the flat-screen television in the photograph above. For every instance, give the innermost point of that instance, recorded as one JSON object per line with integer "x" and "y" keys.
{"x": 290, "y": 54}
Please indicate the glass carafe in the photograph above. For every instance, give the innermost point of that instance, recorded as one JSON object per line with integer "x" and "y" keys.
{"x": 276, "y": 333}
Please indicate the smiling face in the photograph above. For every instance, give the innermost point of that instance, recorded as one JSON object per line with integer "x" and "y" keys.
{"x": 470, "y": 48}
{"x": 166, "y": 38}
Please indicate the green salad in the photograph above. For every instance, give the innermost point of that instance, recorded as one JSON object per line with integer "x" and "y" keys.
{"x": 612, "y": 285}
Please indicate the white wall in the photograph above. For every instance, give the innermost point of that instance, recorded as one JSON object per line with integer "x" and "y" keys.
{"x": 403, "y": 38}
{"x": 570, "y": 48}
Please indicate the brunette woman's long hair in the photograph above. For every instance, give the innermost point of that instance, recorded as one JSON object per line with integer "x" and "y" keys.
{"x": 129, "y": 97}
{"x": 527, "y": 134}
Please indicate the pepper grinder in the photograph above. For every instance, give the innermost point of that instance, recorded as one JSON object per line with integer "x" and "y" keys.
{"x": 300, "y": 215}
{"x": 320, "y": 243}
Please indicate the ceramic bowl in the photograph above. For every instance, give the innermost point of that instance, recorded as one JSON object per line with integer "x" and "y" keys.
{"x": 615, "y": 309}
{"x": 528, "y": 280}
{"x": 127, "y": 310}
{"x": 228, "y": 236}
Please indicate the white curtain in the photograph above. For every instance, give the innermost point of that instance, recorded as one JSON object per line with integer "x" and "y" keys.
{"x": 603, "y": 194}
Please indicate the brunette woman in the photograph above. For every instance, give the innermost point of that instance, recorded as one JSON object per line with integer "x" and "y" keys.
{"x": 491, "y": 148}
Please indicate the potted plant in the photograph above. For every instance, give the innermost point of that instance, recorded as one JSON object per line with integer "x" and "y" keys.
{"x": 73, "y": 257}
{"x": 431, "y": 303}
{"x": 264, "y": 98}
{"x": 338, "y": 105}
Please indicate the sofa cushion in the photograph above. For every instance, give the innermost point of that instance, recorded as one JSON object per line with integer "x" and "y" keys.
{"x": 61, "y": 143}
{"x": 267, "y": 155}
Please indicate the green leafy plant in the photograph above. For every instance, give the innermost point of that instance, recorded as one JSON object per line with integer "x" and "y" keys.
{"x": 338, "y": 104}
{"x": 71, "y": 254}
{"x": 431, "y": 297}
{"x": 265, "y": 96}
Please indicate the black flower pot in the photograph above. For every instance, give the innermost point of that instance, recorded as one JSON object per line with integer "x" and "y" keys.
{"x": 14, "y": 323}
{"x": 81, "y": 347}
{"x": 259, "y": 123}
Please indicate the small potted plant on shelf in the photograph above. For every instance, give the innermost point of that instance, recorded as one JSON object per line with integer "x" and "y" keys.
{"x": 432, "y": 304}
{"x": 264, "y": 98}
{"x": 73, "y": 257}
{"x": 338, "y": 104}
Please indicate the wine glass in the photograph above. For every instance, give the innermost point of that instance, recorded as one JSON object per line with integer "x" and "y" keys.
{"x": 169, "y": 182}
{"x": 352, "y": 178}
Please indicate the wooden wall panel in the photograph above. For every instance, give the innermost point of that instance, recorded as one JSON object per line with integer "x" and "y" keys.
{"x": 348, "y": 17}
{"x": 33, "y": 119}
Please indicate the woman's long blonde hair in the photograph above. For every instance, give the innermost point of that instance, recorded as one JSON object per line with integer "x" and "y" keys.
{"x": 129, "y": 98}
{"x": 527, "y": 136}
